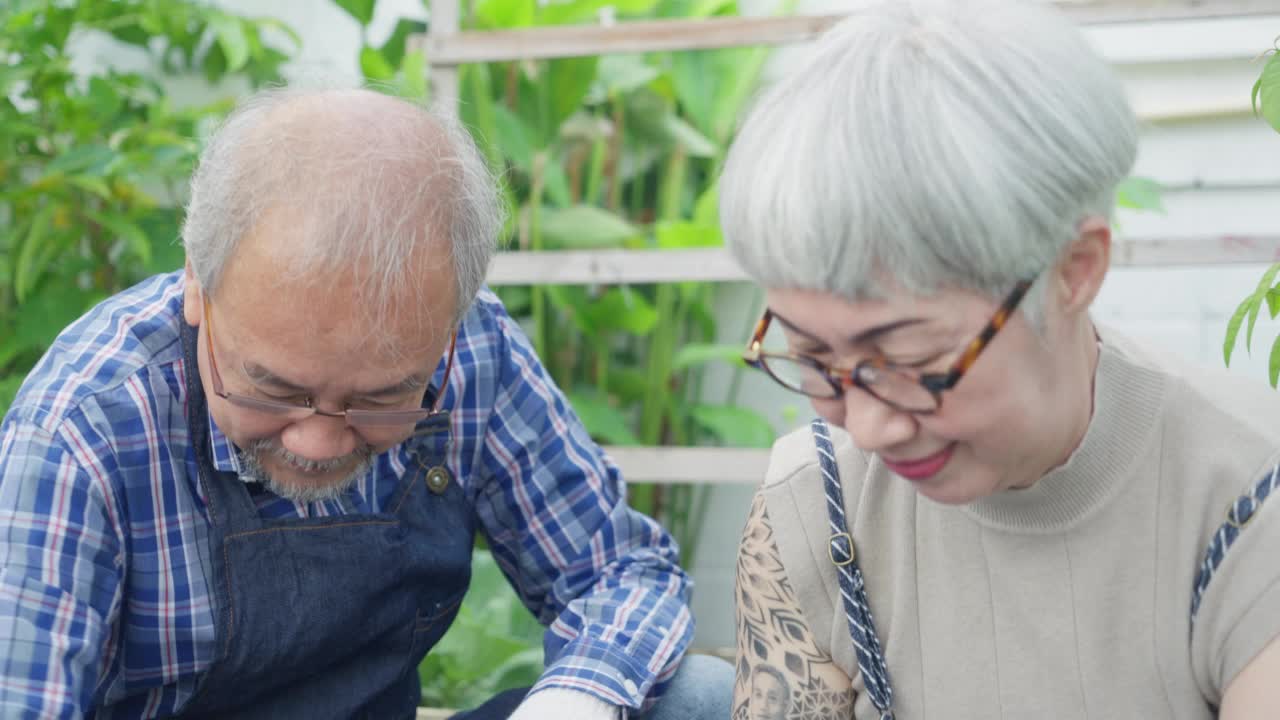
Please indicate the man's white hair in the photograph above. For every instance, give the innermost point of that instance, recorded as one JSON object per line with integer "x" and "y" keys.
{"x": 927, "y": 144}
{"x": 374, "y": 180}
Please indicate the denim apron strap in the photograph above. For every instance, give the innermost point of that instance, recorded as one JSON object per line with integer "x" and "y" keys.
{"x": 841, "y": 550}
{"x": 1239, "y": 514}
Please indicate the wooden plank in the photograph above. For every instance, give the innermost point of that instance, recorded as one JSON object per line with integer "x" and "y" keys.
{"x": 444, "y": 77}
{"x": 445, "y": 48}
{"x": 608, "y": 267}
{"x": 702, "y": 465}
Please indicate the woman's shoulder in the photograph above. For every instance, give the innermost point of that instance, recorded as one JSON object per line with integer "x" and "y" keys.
{"x": 794, "y": 459}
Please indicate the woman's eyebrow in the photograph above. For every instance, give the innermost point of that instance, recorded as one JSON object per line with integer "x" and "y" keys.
{"x": 865, "y": 336}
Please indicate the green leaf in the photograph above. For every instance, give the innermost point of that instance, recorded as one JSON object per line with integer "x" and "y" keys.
{"x": 1266, "y": 93}
{"x": 619, "y": 75}
{"x": 89, "y": 159}
{"x": 26, "y": 272}
{"x": 701, "y": 353}
{"x": 231, "y": 39}
{"x": 678, "y": 235}
{"x": 734, "y": 426}
{"x": 1259, "y": 294}
{"x": 374, "y": 66}
{"x": 584, "y": 227}
{"x": 497, "y": 14}
{"x": 394, "y": 48}
{"x": 91, "y": 184}
{"x": 514, "y": 137}
{"x": 1274, "y": 362}
{"x": 568, "y": 80}
{"x": 1273, "y": 302}
{"x": 1233, "y": 328}
{"x": 687, "y": 136}
{"x": 622, "y": 309}
{"x": 361, "y": 10}
{"x": 126, "y": 230}
{"x": 1138, "y": 193}
{"x": 605, "y": 422}
{"x": 413, "y": 75}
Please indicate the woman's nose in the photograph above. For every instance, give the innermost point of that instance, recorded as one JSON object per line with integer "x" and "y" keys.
{"x": 874, "y": 424}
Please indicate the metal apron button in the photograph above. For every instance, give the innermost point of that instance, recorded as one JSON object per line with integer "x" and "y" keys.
{"x": 437, "y": 479}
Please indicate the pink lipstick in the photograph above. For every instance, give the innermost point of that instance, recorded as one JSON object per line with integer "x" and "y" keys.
{"x": 921, "y": 469}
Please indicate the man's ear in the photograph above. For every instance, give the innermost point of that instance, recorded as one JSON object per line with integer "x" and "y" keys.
{"x": 1083, "y": 265}
{"x": 192, "y": 299}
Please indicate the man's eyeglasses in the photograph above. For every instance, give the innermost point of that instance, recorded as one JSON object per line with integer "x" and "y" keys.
{"x": 898, "y": 387}
{"x": 295, "y": 412}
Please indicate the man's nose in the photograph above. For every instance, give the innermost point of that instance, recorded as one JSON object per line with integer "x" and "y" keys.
{"x": 319, "y": 438}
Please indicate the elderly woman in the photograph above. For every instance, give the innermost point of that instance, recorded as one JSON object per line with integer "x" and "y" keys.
{"x": 1005, "y": 510}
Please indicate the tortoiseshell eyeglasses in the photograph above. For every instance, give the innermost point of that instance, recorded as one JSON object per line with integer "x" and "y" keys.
{"x": 899, "y": 387}
{"x": 296, "y": 412}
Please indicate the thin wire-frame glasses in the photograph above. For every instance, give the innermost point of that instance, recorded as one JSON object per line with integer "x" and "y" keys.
{"x": 901, "y": 388}
{"x": 294, "y": 412}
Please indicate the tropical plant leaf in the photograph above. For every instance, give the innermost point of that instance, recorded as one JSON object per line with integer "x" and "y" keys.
{"x": 1259, "y": 294}
{"x": 605, "y": 422}
{"x": 361, "y": 10}
{"x": 701, "y": 353}
{"x": 125, "y": 229}
{"x": 679, "y": 235}
{"x": 1273, "y": 362}
{"x": 622, "y": 309}
{"x": 232, "y": 39}
{"x": 374, "y": 66}
{"x": 395, "y": 47}
{"x": 734, "y": 426}
{"x": 584, "y": 227}
{"x": 1266, "y": 93}
{"x": 1233, "y": 327}
{"x": 1137, "y": 193}
{"x": 26, "y": 271}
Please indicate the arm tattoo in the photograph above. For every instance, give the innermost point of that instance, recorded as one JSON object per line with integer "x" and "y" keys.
{"x": 781, "y": 672}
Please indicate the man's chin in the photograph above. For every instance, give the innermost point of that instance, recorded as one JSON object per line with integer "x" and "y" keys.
{"x": 293, "y": 484}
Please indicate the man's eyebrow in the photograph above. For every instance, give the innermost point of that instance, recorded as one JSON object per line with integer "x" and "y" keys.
{"x": 262, "y": 376}
{"x": 865, "y": 336}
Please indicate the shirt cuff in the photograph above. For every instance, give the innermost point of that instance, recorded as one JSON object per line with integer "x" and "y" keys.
{"x": 558, "y": 703}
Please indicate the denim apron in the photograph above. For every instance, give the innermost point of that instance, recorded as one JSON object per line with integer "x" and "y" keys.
{"x": 328, "y": 617}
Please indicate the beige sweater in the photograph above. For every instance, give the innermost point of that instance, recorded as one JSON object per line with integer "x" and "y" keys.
{"x": 1070, "y": 599}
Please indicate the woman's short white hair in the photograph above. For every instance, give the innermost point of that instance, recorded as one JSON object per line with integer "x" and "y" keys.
{"x": 927, "y": 144}
{"x": 375, "y": 179}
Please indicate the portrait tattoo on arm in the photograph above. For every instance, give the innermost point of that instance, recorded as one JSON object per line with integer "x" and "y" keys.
{"x": 781, "y": 672}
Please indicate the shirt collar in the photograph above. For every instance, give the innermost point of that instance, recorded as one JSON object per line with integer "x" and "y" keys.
{"x": 222, "y": 450}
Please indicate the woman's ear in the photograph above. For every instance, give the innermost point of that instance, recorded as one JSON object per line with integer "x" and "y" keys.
{"x": 192, "y": 300}
{"x": 1083, "y": 265}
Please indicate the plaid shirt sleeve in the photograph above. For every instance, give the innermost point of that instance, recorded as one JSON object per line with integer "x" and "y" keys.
{"x": 60, "y": 572}
{"x": 602, "y": 576}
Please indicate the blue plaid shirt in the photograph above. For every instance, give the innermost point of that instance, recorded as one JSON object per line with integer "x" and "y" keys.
{"x": 97, "y": 484}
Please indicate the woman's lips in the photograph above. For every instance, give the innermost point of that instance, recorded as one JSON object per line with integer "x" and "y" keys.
{"x": 921, "y": 469}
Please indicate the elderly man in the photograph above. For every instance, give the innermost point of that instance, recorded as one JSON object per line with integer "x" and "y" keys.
{"x": 251, "y": 488}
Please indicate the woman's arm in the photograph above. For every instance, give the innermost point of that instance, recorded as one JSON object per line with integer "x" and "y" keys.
{"x": 1254, "y": 693}
{"x": 781, "y": 673}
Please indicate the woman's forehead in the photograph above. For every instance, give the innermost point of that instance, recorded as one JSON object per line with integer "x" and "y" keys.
{"x": 838, "y": 322}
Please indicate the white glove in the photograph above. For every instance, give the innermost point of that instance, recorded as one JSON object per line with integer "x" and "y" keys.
{"x": 561, "y": 704}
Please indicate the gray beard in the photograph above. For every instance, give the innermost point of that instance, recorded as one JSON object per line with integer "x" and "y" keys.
{"x": 251, "y": 469}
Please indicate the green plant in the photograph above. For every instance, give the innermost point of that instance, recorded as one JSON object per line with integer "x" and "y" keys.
{"x": 1266, "y": 103}
{"x": 91, "y": 162}
{"x": 494, "y": 644}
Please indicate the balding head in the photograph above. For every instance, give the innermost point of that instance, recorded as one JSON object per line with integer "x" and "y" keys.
{"x": 382, "y": 197}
